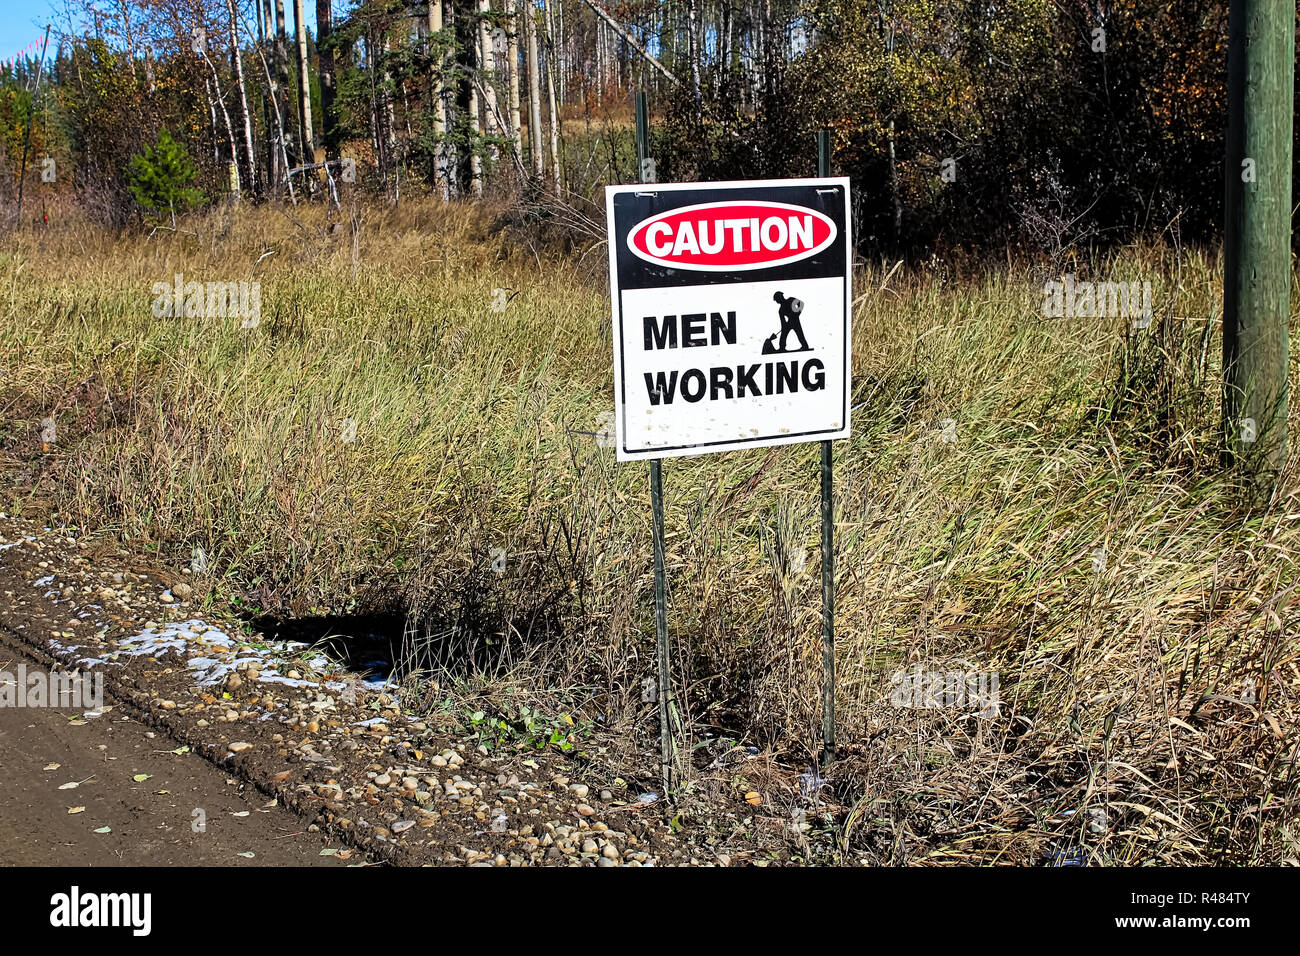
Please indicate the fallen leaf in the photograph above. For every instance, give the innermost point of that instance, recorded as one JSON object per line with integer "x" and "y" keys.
{"x": 73, "y": 785}
{"x": 72, "y": 810}
{"x": 141, "y": 777}
{"x": 104, "y": 830}
{"x": 328, "y": 851}
{"x": 53, "y": 766}
{"x": 754, "y": 798}
{"x": 248, "y": 854}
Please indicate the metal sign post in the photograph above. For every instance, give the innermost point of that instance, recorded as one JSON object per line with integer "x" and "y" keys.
{"x": 732, "y": 323}
{"x": 645, "y": 173}
{"x": 828, "y": 539}
{"x": 27, "y": 135}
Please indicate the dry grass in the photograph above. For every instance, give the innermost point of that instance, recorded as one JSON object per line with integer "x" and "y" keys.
{"x": 1127, "y": 725}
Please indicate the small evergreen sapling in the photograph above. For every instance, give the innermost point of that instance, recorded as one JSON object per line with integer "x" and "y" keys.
{"x": 161, "y": 177}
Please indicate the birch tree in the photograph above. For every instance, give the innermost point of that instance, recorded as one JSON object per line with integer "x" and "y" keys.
{"x": 237, "y": 61}
{"x": 512, "y": 54}
{"x": 534, "y": 91}
{"x": 304, "y": 89}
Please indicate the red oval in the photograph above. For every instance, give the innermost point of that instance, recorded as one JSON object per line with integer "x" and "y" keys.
{"x": 732, "y": 236}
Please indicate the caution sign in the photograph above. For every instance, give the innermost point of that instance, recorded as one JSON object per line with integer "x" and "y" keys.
{"x": 731, "y": 314}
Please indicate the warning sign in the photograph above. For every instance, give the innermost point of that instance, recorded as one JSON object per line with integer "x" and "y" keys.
{"x": 731, "y": 314}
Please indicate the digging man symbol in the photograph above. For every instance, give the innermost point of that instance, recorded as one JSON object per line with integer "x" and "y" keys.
{"x": 791, "y": 312}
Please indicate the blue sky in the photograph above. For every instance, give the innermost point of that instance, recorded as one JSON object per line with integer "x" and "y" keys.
{"x": 22, "y": 21}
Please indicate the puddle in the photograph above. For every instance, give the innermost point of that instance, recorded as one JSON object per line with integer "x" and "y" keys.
{"x": 367, "y": 645}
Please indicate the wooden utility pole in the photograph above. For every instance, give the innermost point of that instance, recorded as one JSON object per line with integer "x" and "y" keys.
{"x": 1257, "y": 237}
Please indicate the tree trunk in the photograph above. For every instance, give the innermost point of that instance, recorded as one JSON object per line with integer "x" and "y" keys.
{"x": 466, "y": 33}
{"x": 212, "y": 117}
{"x": 512, "y": 53}
{"x": 325, "y": 67}
{"x": 693, "y": 52}
{"x": 561, "y": 49}
{"x": 549, "y": 48}
{"x": 281, "y": 90}
{"x": 439, "y": 87}
{"x": 130, "y": 43}
{"x": 723, "y": 71}
{"x": 243, "y": 97}
{"x": 549, "y": 58}
{"x": 600, "y": 63}
{"x": 390, "y": 117}
{"x": 225, "y": 115}
{"x": 376, "y": 114}
{"x": 304, "y": 90}
{"x": 534, "y": 91}
{"x": 279, "y": 164}
{"x": 890, "y": 36}
{"x": 487, "y": 72}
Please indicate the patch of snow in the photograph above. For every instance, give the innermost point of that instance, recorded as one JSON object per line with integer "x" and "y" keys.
{"x": 270, "y": 677}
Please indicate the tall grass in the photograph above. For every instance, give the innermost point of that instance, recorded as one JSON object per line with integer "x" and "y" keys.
{"x": 1075, "y": 536}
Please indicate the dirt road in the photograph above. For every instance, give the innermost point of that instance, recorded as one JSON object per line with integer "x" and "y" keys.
{"x": 161, "y": 808}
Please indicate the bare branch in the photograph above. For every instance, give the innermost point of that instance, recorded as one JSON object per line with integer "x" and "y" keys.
{"x": 631, "y": 41}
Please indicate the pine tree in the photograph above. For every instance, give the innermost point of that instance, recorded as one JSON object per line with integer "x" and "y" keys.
{"x": 161, "y": 176}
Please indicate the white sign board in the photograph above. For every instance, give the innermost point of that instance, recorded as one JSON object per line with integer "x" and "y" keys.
{"x": 731, "y": 314}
